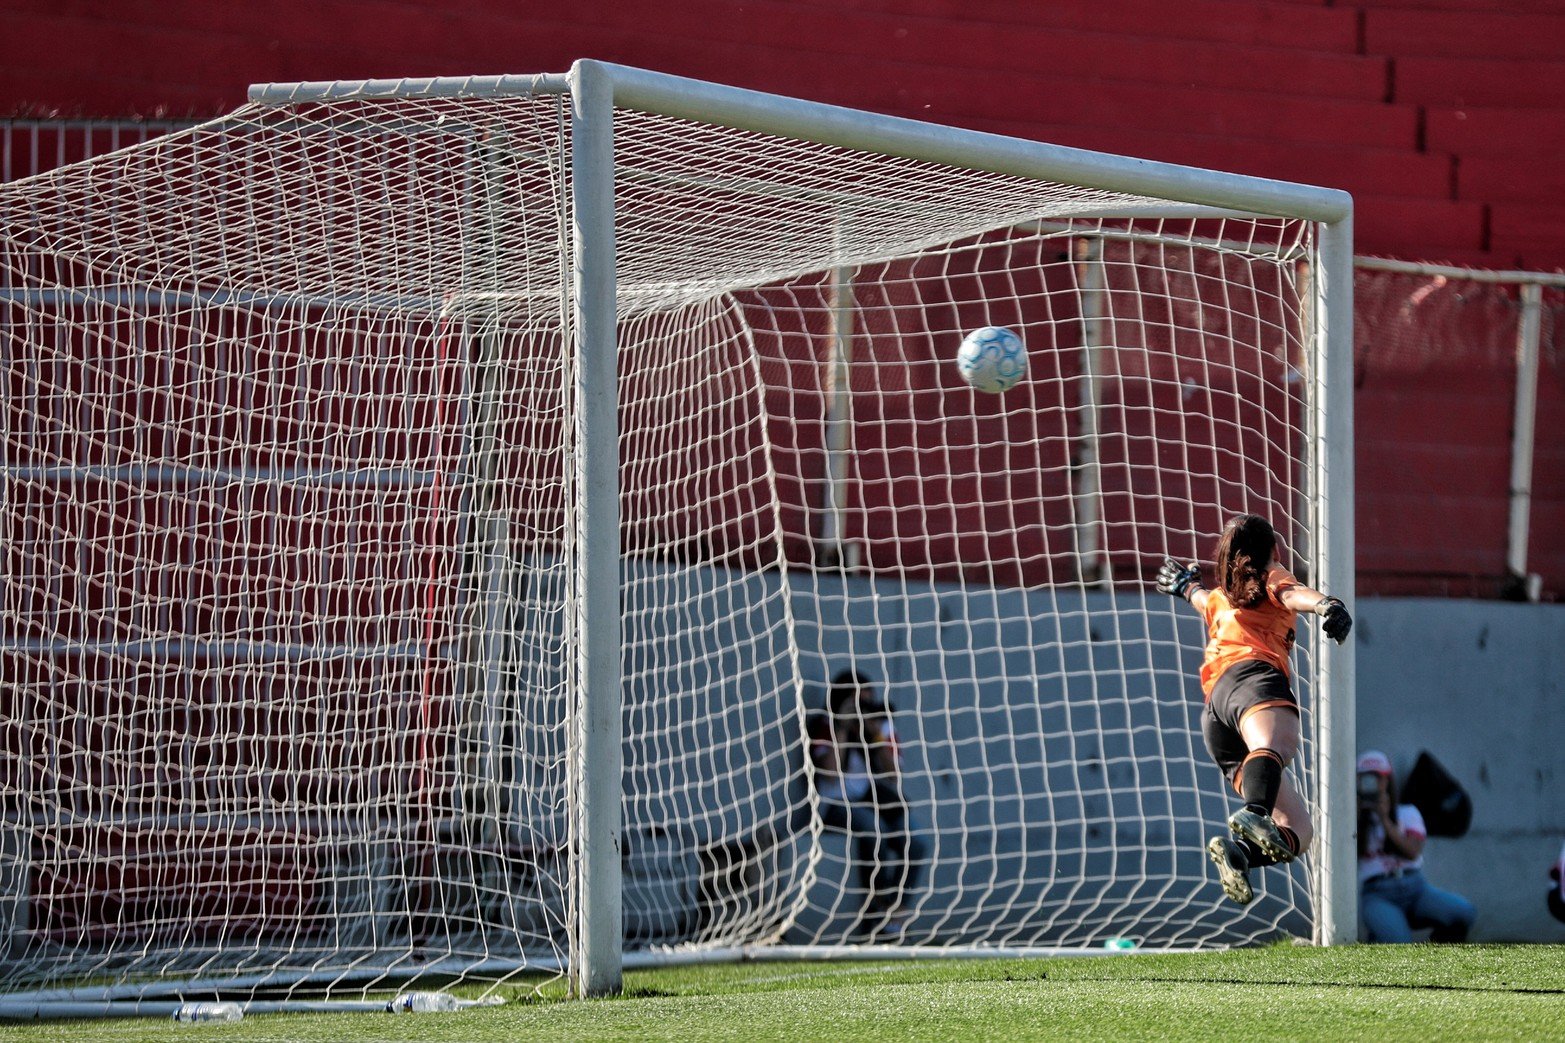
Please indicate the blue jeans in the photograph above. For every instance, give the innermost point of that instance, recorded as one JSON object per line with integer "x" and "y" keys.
{"x": 1393, "y": 907}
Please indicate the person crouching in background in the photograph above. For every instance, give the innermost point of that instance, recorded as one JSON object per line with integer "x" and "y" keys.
{"x": 1394, "y": 898}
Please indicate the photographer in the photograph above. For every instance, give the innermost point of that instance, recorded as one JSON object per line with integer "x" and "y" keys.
{"x": 1395, "y": 899}
{"x": 858, "y": 777}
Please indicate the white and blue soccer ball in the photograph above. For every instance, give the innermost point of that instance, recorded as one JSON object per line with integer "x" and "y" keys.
{"x": 992, "y": 359}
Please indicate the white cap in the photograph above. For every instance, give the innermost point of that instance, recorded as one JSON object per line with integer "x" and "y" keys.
{"x": 1374, "y": 761}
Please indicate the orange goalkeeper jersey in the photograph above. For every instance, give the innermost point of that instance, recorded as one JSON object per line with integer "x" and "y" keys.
{"x": 1263, "y": 632}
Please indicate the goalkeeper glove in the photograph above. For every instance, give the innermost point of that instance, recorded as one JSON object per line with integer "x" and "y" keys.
{"x": 1179, "y": 580}
{"x": 1334, "y": 619}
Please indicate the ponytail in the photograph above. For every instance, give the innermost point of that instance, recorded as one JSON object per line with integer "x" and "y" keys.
{"x": 1243, "y": 555}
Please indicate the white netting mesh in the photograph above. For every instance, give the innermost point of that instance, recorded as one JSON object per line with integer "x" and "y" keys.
{"x": 285, "y": 509}
{"x": 993, "y": 582}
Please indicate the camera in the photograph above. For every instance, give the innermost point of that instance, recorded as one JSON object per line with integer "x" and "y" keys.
{"x": 1368, "y": 788}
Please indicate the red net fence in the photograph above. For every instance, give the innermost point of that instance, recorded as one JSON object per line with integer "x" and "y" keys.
{"x": 1441, "y": 510}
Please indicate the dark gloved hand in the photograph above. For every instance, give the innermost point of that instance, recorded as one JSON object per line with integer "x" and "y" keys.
{"x": 1334, "y": 619}
{"x": 1179, "y": 580}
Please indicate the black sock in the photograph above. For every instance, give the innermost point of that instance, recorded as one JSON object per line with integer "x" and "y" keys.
{"x": 1258, "y": 858}
{"x": 1260, "y": 780}
{"x": 1254, "y": 855}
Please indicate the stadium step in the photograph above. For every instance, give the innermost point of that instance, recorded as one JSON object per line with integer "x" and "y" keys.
{"x": 1086, "y": 54}
{"x": 1465, "y": 34}
{"x": 1212, "y": 112}
{"x": 1489, "y": 82}
{"x": 1384, "y": 224}
{"x": 1517, "y": 134}
{"x": 1365, "y": 171}
{"x": 1471, "y": 6}
{"x": 1529, "y": 230}
{"x": 1501, "y": 179}
{"x": 1230, "y": 21}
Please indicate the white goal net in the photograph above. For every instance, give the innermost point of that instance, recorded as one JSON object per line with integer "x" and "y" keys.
{"x": 287, "y": 591}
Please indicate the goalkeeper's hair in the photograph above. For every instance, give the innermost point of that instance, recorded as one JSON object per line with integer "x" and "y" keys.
{"x": 1243, "y": 553}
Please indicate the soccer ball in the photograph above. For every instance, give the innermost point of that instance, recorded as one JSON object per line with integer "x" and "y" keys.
{"x": 992, "y": 359}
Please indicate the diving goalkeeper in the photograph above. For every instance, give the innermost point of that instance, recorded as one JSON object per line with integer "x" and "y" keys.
{"x": 1251, "y": 720}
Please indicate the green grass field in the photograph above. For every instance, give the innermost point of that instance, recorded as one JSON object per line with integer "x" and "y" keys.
{"x": 1421, "y": 993}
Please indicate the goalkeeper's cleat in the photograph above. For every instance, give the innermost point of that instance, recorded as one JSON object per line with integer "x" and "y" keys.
{"x": 1233, "y": 869}
{"x": 1261, "y": 831}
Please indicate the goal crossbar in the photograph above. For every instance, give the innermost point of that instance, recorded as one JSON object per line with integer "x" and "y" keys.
{"x": 653, "y": 92}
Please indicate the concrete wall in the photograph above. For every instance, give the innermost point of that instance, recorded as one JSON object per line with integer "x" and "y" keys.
{"x": 1477, "y": 684}
{"x": 981, "y": 678}
{"x": 1049, "y": 760}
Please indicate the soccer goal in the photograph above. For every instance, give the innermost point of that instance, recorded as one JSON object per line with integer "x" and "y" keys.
{"x": 434, "y": 513}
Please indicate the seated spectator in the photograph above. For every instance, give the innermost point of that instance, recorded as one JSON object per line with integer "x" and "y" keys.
{"x": 1394, "y": 898}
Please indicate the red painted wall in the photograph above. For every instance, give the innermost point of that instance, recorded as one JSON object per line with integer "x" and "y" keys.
{"x": 1438, "y": 121}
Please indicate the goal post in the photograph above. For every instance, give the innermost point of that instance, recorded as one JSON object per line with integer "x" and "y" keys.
{"x": 1331, "y": 457}
{"x": 595, "y": 311}
{"x": 1203, "y": 193}
{"x": 435, "y": 514}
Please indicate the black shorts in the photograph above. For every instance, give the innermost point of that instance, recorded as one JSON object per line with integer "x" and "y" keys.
{"x": 1246, "y": 686}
